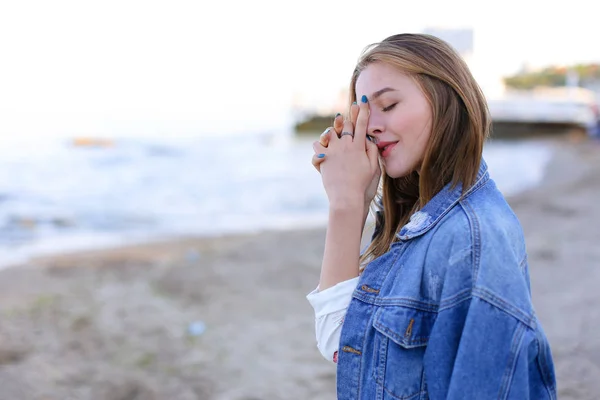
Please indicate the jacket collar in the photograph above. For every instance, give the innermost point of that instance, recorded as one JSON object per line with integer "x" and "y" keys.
{"x": 426, "y": 218}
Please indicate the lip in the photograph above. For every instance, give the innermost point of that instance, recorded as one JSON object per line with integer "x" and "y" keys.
{"x": 387, "y": 151}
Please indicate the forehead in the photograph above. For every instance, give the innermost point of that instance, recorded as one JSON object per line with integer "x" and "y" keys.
{"x": 377, "y": 76}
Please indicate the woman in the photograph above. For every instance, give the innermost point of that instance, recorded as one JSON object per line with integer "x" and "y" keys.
{"x": 439, "y": 305}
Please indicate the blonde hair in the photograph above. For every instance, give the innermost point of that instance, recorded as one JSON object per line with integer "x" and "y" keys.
{"x": 460, "y": 126}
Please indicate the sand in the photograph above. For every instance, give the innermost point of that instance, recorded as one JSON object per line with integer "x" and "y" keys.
{"x": 114, "y": 324}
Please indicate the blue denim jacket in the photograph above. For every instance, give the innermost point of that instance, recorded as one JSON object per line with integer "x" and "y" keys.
{"x": 447, "y": 312}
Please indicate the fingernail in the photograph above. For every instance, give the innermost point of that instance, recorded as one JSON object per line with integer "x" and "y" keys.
{"x": 337, "y": 115}
{"x": 364, "y": 99}
{"x": 321, "y": 155}
{"x": 354, "y": 103}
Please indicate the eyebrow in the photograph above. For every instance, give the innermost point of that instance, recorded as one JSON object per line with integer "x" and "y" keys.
{"x": 381, "y": 91}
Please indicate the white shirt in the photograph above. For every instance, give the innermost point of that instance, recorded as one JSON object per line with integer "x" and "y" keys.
{"x": 330, "y": 307}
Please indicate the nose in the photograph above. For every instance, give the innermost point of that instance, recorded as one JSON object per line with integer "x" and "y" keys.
{"x": 375, "y": 126}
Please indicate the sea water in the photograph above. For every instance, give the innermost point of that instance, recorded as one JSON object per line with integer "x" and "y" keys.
{"x": 56, "y": 196}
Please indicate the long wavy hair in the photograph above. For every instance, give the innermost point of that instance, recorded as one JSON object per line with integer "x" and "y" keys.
{"x": 460, "y": 126}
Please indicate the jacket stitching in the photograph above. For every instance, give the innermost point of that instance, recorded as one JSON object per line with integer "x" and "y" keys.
{"x": 383, "y": 346}
{"x": 504, "y": 306}
{"x": 378, "y": 360}
{"x": 360, "y": 368}
{"x": 401, "y": 340}
{"x": 381, "y": 368}
{"x": 460, "y": 297}
{"x": 409, "y": 397}
{"x": 511, "y": 364}
{"x": 407, "y": 302}
{"x": 449, "y": 302}
{"x": 475, "y": 238}
{"x": 548, "y": 385}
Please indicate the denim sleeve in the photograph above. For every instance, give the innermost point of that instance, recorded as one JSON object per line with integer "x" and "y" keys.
{"x": 474, "y": 352}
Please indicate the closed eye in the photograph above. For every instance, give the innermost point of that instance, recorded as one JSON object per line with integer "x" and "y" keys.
{"x": 388, "y": 108}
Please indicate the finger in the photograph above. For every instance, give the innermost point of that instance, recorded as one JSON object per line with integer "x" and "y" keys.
{"x": 372, "y": 154}
{"x": 338, "y": 123}
{"x": 362, "y": 122}
{"x": 354, "y": 113}
{"x": 347, "y": 132}
{"x": 319, "y": 148}
{"x": 316, "y": 161}
{"x": 325, "y": 136}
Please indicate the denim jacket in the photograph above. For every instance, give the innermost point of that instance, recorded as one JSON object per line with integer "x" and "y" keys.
{"x": 446, "y": 313}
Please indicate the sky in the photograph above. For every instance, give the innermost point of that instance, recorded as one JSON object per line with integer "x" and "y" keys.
{"x": 185, "y": 68}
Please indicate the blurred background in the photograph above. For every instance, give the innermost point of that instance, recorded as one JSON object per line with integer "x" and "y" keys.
{"x": 161, "y": 223}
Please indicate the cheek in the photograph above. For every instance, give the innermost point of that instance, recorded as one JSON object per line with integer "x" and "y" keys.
{"x": 420, "y": 122}
{"x": 412, "y": 127}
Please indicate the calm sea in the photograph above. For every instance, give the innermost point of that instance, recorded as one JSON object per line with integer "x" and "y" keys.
{"x": 55, "y": 196}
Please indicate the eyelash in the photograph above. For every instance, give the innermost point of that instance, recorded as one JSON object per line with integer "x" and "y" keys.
{"x": 388, "y": 108}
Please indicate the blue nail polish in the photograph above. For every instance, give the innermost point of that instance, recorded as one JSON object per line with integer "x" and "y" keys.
{"x": 354, "y": 103}
{"x": 321, "y": 155}
{"x": 364, "y": 99}
{"x": 337, "y": 115}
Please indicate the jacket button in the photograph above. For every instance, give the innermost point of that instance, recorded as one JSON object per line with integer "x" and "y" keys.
{"x": 369, "y": 289}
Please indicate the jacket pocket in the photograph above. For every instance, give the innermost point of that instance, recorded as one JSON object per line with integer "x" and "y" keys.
{"x": 400, "y": 341}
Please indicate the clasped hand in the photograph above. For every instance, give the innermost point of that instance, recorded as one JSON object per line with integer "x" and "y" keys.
{"x": 347, "y": 160}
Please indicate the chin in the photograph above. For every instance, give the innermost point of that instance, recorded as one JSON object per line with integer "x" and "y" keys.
{"x": 394, "y": 174}
{"x": 398, "y": 171}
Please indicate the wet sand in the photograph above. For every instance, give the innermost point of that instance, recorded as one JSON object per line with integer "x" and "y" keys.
{"x": 113, "y": 324}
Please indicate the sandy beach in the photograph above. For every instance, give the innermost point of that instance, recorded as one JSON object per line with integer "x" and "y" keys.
{"x": 226, "y": 318}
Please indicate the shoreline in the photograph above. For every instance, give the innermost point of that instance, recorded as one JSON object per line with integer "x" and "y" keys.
{"x": 124, "y": 321}
{"x": 107, "y": 245}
